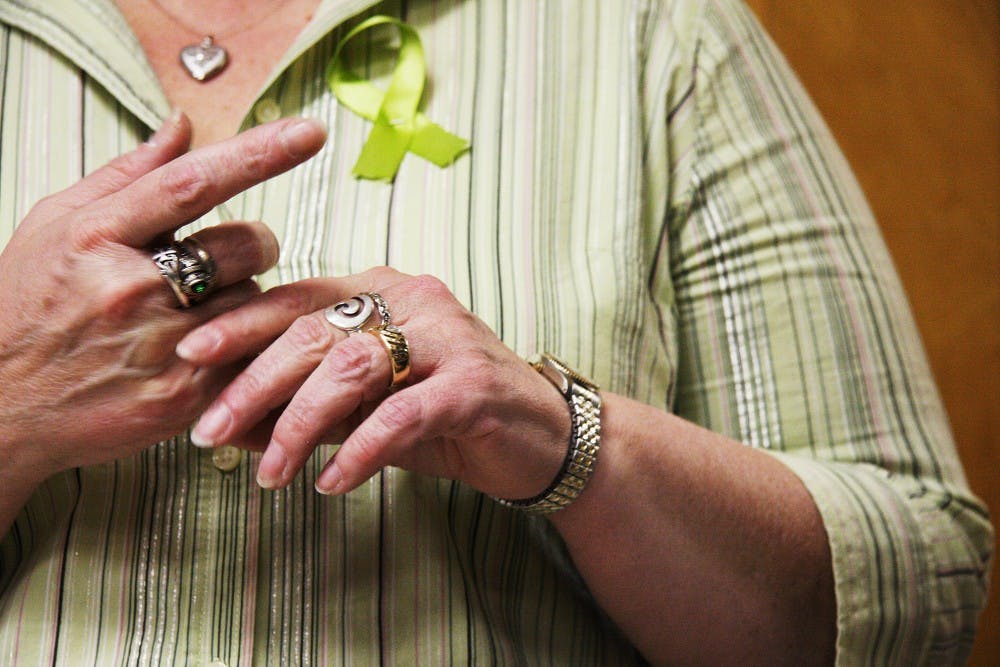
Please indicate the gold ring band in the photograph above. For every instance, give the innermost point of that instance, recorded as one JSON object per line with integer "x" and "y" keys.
{"x": 396, "y": 347}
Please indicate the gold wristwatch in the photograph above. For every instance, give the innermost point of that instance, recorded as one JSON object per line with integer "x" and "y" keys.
{"x": 584, "y": 441}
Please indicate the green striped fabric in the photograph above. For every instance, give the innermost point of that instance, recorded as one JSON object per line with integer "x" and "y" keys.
{"x": 649, "y": 196}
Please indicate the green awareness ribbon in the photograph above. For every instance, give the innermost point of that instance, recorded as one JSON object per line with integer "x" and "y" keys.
{"x": 398, "y": 126}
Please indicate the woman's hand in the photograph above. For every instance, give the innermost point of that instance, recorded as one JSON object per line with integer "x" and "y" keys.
{"x": 470, "y": 409}
{"x": 87, "y": 324}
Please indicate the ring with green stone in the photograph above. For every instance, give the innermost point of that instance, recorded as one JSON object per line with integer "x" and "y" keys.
{"x": 188, "y": 269}
{"x": 197, "y": 270}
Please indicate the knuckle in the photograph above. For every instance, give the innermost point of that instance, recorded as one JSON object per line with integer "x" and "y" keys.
{"x": 401, "y": 411}
{"x": 123, "y": 168}
{"x": 88, "y": 236}
{"x": 185, "y": 184}
{"x": 294, "y": 428}
{"x": 250, "y": 386}
{"x": 255, "y": 160}
{"x": 47, "y": 205}
{"x": 350, "y": 361}
{"x": 118, "y": 302}
{"x": 380, "y": 275}
{"x": 428, "y": 285}
{"x": 309, "y": 334}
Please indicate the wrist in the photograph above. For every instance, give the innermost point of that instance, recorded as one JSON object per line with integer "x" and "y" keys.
{"x": 21, "y": 472}
{"x": 584, "y": 401}
{"x": 17, "y": 482}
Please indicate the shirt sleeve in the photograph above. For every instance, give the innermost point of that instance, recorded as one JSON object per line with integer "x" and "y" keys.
{"x": 794, "y": 336}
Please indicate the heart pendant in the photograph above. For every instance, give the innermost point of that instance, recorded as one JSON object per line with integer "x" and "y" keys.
{"x": 205, "y": 60}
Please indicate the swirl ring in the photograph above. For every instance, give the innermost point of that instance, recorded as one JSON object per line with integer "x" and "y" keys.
{"x": 351, "y": 315}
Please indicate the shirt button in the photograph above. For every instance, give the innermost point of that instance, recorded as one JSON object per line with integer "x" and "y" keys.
{"x": 227, "y": 458}
{"x": 266, "y": 110}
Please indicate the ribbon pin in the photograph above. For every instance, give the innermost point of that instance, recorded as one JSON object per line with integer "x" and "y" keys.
{"x": 398, "y": 126}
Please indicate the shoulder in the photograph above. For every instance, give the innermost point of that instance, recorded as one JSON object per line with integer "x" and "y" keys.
{"x": 680, "y": 35}
{"x": 687, "y": 24}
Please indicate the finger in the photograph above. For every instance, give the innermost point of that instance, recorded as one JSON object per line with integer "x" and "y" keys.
{"x": 354, "y": 371}
{"x": 239, "y": 249}
{"x": 269, "y": 381}
{"x": 188, "y": 187}
{"x": 250, "y": 329}
{"x": 164, "y": 324}
{"x": 167, "y": 400}
{"x": 169, "y": 142}
{"x": 258, "y": 437}
{"x": 223, "y": 301}
{"x": 402, "y": 420}
{"x": 125, "y": 283}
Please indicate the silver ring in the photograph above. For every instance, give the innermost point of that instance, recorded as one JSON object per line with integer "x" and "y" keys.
{"x": 351, "y": 315}
{"x": 195, "y": 247}
{"x": 188, "y": 268}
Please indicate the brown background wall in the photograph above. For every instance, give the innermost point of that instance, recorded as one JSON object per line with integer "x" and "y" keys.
{"x": 912, "y": 92}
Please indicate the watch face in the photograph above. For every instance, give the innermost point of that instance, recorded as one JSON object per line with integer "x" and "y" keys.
{"x": 554, "y": 373}
{"x": 571, "y": 374}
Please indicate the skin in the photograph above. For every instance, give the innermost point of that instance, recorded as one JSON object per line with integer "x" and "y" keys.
{"x": 86, "y": 346}
{"x": 256, "y": 33}
{"x": 744, "y": 579}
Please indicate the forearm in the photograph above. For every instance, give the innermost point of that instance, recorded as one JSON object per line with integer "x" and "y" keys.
{"x": 700, "y": 548}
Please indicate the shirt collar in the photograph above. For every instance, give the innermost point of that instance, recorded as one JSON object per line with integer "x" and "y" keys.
{"x": 95, "y": 36}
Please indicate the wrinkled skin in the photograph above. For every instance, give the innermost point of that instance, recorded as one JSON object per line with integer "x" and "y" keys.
{"x": 471, "y": 409}
{"x": 87, "y": 324}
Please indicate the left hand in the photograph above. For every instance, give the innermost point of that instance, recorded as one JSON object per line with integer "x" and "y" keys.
{"x": 470, "y": 410}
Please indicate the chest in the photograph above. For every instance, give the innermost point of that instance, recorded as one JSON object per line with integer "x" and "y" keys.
{"x": 250, "y": 40}
{"x": 541, "y": 229}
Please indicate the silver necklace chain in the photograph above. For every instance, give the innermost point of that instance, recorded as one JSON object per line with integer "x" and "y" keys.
{"x": 206, "y": 59}
{"x": 215, "y": 34}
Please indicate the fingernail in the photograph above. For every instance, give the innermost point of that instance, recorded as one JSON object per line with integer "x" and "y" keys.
{"x": 328, "y": 483}
{"x": 197, "y": 345}
{"x": 169, "y": 125}
{"x": 303, "y": 137}
{"x": 211, "y": 426}
{"x": 271, "y": 472}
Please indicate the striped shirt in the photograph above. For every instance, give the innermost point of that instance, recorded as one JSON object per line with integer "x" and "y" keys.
{"x": 650, "y": 196}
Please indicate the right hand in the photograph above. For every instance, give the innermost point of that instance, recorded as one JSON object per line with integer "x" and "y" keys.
{"x": 88, "y": 326}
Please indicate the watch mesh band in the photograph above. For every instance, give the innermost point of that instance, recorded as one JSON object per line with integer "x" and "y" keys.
{"x": 584, "y": 444}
